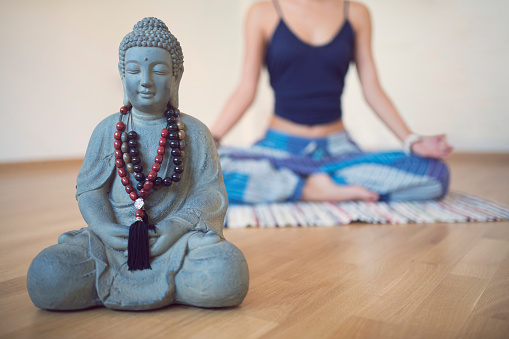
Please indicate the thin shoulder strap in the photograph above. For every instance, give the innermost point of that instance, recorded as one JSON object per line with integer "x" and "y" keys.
{"x": 278, "y": 8}
{"x": 345, "y": 10}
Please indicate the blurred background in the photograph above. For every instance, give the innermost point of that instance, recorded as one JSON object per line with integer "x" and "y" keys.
{"x": 442, "y": 62}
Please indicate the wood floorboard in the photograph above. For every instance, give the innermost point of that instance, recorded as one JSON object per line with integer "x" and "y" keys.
{"x": 356, "y": 281}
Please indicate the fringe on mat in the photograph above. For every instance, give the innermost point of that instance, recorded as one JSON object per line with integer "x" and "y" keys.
{"x": 455, "y": 207}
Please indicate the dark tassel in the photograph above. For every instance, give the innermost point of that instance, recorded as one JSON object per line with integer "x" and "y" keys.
{"x": 138, "y": 249}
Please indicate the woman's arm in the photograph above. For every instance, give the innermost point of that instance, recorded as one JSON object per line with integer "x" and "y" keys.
{"x": 244, "y": 93}
{"x": 377, "y": 99}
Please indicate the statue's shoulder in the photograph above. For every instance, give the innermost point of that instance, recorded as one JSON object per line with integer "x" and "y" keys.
{"x": 193, "y": 123}
{"x": 107, "y": 124}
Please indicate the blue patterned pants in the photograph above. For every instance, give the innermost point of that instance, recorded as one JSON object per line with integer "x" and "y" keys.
{"x": 275, "y": 169}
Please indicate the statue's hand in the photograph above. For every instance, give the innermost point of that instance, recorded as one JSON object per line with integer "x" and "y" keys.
{"x": 113, "y": 235}
{"x": 167, "y": 233}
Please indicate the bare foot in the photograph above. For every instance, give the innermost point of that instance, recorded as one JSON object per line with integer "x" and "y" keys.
{"x": 321, "y": 187}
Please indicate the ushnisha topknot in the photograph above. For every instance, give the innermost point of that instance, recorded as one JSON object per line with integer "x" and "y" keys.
{"x": 152, "y": 32}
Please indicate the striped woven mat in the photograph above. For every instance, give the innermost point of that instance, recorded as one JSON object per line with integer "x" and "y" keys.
{"x": 455, "y": 207}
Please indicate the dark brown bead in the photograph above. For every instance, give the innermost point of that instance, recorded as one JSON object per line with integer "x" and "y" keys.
{"x": 135, "y": 160}
{"x": 167, "y": 181}
{"x": 133, "y": 196}
{"x": 120, "y": 126}
{"x": 138, "y": 168}
{"x": 139, "y": 177}
{"x": 169, "y": 112}
{"x": 139, "y": 186}
{"x": 175, "y": 177}
{"x": 133, "y": 143}
{"x": 177, "y": 160}
{"x": 158, "y": 181}
{"x": 174, "y": 144}
{"x": 133, "y": 152}
{"x": 179, "y": 169}
{"x": 132, "y": 135}
{"x": 173, "y": 135}
{"x": 173, "y": 127}
{"x": 175, "y": 152}
{"x": 171, "y": 120}
{"x": 122, "y": 172}
{"x": 152, "y": 175}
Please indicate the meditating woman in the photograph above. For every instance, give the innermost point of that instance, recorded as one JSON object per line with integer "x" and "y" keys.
{"x": 184, "y": 258}
{"x": 306, "y": 154}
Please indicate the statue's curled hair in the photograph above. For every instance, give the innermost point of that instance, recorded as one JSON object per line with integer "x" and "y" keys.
{"x": 152, "y": 32}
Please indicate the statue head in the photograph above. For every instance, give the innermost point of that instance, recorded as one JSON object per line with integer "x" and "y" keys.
{"x": 151, "y": 45}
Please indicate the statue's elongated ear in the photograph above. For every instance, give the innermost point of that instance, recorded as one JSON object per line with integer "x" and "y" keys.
{"x": 125, "y": 101}
{"x": 174, "y": 95}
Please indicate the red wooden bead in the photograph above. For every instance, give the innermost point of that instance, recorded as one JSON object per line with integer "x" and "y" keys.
{"x": 119, "y": 163}
{"x": 156, "y": 167}
{"x": 133, "y": 196}
{"x": 162, "y": 142}
{"x": 118, "y": 154}
{"x": 160, "y": 150}
{"x": 120, "y": 126}
{"x": 129, "y": 189}
{"x": 143, "y": 193}
{"x": 158, "y": 159}
{"x": 125, "y": 181}
{"x": 148, "y": 185}
{"x": 152, "y": 175}
{"x": 139, "y": 213}
{"x": 164, "y": 132}
{"x": 117, "y": 144}
{"x": 117, "y": 135}
{"x": 124, "y": 110}
{"x": 122, "y": 172}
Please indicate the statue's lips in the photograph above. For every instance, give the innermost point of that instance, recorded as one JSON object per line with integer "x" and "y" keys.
{"x": 146, "y": 95}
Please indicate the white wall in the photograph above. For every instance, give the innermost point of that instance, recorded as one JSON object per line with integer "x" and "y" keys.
{"x": 442, "y": 62}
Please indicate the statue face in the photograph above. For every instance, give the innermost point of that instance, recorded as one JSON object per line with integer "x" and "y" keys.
{"x": 148, "y": 77}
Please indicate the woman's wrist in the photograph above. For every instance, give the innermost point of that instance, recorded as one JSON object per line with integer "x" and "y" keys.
{"x": 409, "y": 141}
{"x": 217, "y": 140}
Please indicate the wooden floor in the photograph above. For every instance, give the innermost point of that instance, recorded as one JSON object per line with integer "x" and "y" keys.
{"x": 358, "y": 281}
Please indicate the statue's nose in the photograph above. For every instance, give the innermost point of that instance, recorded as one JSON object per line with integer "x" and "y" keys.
{"x": 146, "y": 79}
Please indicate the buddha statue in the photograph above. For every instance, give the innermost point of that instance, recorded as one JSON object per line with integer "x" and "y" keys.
{"x": 151, "y": 191}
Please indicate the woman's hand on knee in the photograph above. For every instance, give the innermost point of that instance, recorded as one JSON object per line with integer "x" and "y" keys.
{"x": 435, "y": 146}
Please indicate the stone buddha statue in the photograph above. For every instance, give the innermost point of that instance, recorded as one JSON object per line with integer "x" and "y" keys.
{"x": 152, "y": 194}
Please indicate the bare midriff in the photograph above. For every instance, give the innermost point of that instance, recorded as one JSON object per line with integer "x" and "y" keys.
{"x": 306, "y": 131}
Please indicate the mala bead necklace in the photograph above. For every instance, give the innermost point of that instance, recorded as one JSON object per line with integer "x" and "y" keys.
{"x": 128, "y": 160}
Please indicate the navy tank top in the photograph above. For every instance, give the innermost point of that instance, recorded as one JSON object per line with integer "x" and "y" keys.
{"x": 308, "y": 80}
